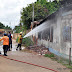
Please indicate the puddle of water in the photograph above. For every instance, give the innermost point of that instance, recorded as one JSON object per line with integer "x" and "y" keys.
{"x": 13, "y": 49}
{"x": 1, "y": 49}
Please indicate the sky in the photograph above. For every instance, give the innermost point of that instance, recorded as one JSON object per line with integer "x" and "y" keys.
{"x": 10, "y": 11}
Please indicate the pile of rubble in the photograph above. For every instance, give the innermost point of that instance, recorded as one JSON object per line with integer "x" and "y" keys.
{"x": 41, "y": 50}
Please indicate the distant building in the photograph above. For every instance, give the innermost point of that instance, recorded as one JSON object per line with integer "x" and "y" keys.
{"x": 2, "y": 32}
{"x": 7, "y": 31}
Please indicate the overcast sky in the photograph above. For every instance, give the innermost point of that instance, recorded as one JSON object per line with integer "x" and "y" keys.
{"x": 10, "y": 11}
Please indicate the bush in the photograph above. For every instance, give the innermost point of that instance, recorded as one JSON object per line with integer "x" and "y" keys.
{"x": 17, "y": 39}
{"x": 27, "y": 42}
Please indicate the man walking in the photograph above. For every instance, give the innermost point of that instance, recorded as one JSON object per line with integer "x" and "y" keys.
{"x": 9, "y": 35}
{"x": 19, "y": 41}
{"x": 5, "y": 43}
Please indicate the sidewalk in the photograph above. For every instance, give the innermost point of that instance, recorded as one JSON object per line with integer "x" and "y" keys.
{"x": 35, "y": 59}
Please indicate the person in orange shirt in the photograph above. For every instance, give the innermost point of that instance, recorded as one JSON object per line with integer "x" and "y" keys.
{"x": 5, "y": 43}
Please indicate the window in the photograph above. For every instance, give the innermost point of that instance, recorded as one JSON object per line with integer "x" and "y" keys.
{"x": 46, "y": 34}
{"x": 66, "y": 33}
{"x": 51, "y": 34}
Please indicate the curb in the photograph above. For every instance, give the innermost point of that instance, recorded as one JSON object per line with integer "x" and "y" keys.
{"x": 28, "y": 63}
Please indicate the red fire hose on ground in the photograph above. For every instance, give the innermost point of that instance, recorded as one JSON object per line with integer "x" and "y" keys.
{"x": 29, "y": 63}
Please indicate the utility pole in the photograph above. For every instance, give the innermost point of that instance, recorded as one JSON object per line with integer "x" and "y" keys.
{"x": 70, "y": 48}
{"x": 33, "y": 21}
{"x": 33, "y": 13}
{"x": 10, "y": 24}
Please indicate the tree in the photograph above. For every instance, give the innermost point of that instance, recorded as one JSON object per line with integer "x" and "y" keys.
{"x": 42, "y": 8}
{"x": 39, "y": 13}
{"x": 2, "y": 26}
{"x": 7, "y": 27}
{"x": 17, "y": 29}
{"x": 51, "y": 6}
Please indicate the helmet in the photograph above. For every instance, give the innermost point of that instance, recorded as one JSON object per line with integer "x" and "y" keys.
{"x": 20, "y": 32}
{"x": 5, "y": 34}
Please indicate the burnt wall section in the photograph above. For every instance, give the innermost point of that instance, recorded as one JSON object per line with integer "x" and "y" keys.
{"x": 46, "y": 34}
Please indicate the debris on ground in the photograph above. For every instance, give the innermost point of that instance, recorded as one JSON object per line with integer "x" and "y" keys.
{"x": 41, "y": 50}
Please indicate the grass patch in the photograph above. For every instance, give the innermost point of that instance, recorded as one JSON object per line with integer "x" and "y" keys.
{"x": 49, "y": 55}
{"x": 65, "y": 62}
{"x": 68, "y": 66}
{"x": 62, "y": 60}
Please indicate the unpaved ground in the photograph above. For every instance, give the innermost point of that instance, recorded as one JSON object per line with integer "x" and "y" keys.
{"x": 13, "y": 66}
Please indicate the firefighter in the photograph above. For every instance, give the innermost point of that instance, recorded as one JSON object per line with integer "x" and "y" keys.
{"x": 19, "y": 41}
{"x": 5, "y": 39}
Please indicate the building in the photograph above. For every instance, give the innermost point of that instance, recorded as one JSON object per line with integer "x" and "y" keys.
{"x": 2, "y": 32}
{"x": 55, "y": 32}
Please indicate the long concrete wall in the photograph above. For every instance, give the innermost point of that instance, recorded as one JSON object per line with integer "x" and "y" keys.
{"x": 61, "y": 21}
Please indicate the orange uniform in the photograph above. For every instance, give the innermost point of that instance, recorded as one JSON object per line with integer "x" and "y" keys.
{"x": 5, "y": 40}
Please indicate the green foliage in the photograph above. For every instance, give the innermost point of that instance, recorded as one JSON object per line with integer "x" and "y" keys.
{"x": 52, "y": 6}
{"x": 42, "y": 8}
{"x": 68, "y": 66}
{"x": 2, "y": 26}
{"x": 49, "y": 55}
{"x": 27, "y": 42}
{"x": 7, "y": 27}
{"x": 17, "y": 39}
{"x": 64, "y": 62}
{"x": 17, "y": 29}
{"x": 20, "y": 28}
{"x": 39, "y": 13}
